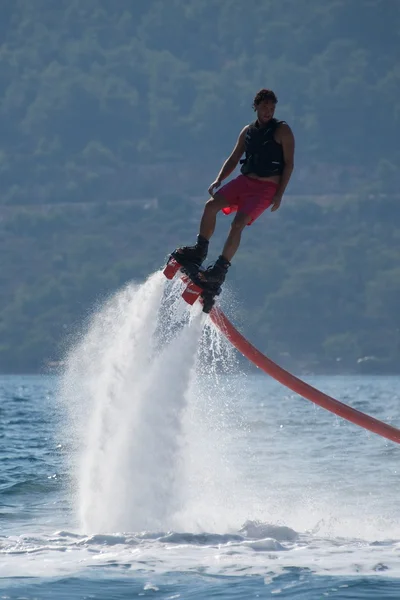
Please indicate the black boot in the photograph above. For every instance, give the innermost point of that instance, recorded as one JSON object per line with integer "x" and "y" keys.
{"x": 192, "y": 255}
{"x": 215, "y": 274}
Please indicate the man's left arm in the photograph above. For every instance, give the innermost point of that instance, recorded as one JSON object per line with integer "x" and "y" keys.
{"x": 286, "y": 138}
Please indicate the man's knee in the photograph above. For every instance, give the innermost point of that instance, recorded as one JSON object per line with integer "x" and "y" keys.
{"x": 239, "y": 222}
{"x": 215, "y": 204}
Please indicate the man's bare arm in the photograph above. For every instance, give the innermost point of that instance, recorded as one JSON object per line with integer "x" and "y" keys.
{"x": 231, "y": 162}
{"x": 287, "y": 140}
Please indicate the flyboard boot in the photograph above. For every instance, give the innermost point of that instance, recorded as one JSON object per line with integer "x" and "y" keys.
{"x": 187, "y": 258}
{"x": 207, "y": 284}
{"x": 214, "y": 275}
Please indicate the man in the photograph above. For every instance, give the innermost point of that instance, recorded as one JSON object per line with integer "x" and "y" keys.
{"x": 268, "y": 145}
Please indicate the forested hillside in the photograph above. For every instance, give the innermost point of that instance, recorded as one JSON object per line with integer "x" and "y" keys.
{"x": 115, "y": 117}
{"x": 315, "y": 286}
{"x": 103, "y": 99}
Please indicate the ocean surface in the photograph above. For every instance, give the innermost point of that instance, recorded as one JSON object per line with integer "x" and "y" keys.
{"x": 155, "y": 466}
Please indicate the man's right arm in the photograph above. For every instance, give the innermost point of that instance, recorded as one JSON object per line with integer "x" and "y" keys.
{"x": 231, "y": 162}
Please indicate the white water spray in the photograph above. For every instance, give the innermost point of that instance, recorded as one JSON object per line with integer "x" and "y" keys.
{"x": 147, "y": 412}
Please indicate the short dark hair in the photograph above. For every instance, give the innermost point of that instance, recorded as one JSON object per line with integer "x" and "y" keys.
{"x": 264, "y": 95}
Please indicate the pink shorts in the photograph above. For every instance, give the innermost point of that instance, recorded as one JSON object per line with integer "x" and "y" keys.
{"x": 247, "y": 195}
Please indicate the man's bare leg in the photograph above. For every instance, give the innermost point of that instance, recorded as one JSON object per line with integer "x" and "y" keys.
{"x": 197, "y": 254}
{"x": 233, "y": 240}
{"x": 216, "y": 273}
{"x": 209, "y": 218}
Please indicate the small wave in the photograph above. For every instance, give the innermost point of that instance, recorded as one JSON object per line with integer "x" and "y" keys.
{"x": 200, "y": 539}
{"x": 253, "y": 534}
{"x": 108, "y": 540}
{"x": 257, "y": 530}
{"x": 67, "y": 534}
{"x": 264, "y": 545}
{"x": 29, "y": 486}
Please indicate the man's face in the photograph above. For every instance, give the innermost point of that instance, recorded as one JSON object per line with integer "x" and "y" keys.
{"x": 265, "y": 111}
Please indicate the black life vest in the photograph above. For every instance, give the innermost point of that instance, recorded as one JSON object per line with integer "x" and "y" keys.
{"x": 264, "y": 156}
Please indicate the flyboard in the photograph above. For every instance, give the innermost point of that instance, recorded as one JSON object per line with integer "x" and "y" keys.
{"x": 195, "y": 290}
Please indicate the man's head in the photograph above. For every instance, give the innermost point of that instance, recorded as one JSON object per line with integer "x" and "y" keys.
{"x": 264, "y": 104}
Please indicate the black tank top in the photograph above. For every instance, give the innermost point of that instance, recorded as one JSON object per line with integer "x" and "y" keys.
{"x": 264, "y": 156}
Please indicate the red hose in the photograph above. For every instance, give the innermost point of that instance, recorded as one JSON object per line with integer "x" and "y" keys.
{"x": 299, "y": 386}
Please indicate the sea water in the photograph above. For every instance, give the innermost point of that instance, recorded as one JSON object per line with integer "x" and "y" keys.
{"x": 156, "y": 466}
